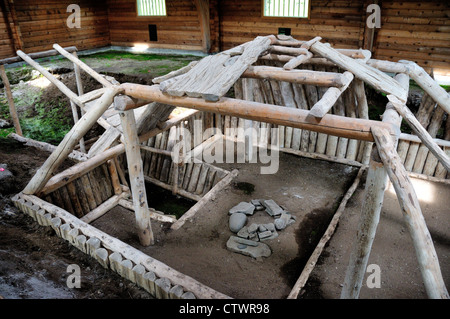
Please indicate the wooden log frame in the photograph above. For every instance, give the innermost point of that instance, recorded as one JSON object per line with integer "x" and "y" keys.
{"x": 330, "y": 97}
{"x": 214, "y": 75}
{"x": 80, "y": 90}
{"x": 294, "y": 43}
{"x": 102, "y": 246}
{"x": 368, "y": 74}
{"x": 295, "y": 62}
{"x": 79, "y": 169}
{"x": 204, "y": 200}
{"x": 410, "y": 206}
{"x": 426, "y": 82}
{"x": 64, "y": 89}
{"x": 83, "y": 66}
{"x": 376, "y": 183}
{"x": 297, "y": 118}
{"x": 67, "y": 145}
{"x": 296, "y": 76}
{"x": 420, "y": 131}
{"x": 103, "y": 208}
{"x": 154, "y": 214}
{"x": 137, "y": 180}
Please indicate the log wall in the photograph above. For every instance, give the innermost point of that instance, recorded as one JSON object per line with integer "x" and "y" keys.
{"x": 415, "y": 30}
{"x": 339, "y": 22}
{"x": 41, "y": 24}
{"x": 195, "y": 179}
{"x": 85, "y": 193}
{"x": 6, "y": 32}
{"x": 180, "y": 29}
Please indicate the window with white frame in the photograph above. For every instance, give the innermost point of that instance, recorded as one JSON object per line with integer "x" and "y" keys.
{"x": 151, "y": 8}
{"x": 286, "y": 8}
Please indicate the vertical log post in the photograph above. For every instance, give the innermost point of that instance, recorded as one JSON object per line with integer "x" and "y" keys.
{"x": 412, "y": 214}
{"x": 203, "y": 15}
{"x": 376, "y": 184}
{"x": 12, "y": 106}
{"x": 80, "y": 90}
{"x": 137, "y": 180}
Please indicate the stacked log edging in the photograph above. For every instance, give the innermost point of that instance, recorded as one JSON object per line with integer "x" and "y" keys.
{"x": 158, "y": 279}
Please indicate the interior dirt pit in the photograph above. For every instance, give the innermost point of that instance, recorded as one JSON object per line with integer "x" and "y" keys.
{"x": 309, "y": 189}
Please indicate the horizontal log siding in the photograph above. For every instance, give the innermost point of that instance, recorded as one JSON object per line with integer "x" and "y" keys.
{"x": 180, "y": 29}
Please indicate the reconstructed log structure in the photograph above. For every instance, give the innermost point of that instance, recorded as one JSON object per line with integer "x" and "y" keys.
{"x": 309, "y": 95}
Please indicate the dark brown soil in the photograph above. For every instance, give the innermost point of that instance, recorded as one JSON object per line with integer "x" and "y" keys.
{"x": 33, "y": 260}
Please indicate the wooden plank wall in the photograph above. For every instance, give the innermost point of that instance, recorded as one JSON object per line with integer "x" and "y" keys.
{"x": 194, "y": 178}
{"x": 6, "y": 35}
{"x": 415, "y": 30}
{"x": 179, "y": 30}
{"x": 339, "y": 22}
{"x": 302, "y": 97}
{"x": 85, "y": 193}
{"x": 41, "y": 24}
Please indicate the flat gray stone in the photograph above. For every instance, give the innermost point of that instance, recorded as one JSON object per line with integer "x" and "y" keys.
{"x": 242, "y": 207}
{"x": 243, "y": 233}
{"x": 273, "y": 235}
{"x": 255, "y": 202}
{"x": 283, "y": 221}
{"x": 255, "y": 250}
{"x": 270, "y": 226}
{"x": 237, "y": 221}
{"x": 272, "y": 208}
{"x": 252, "y": 228}
{"x": 264, "y": 234}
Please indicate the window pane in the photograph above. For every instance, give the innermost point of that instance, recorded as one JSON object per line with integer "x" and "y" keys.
{"x": 286, "y": 8}
{"x": 151, "y": 7}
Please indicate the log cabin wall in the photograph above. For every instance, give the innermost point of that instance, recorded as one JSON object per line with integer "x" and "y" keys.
{"x": 415, "y": 30}
{"x": 41, "y": 24}
{"x": 180, "y": 29}
{"x": 7, "y": 35}
{"x": 339, "y": 22}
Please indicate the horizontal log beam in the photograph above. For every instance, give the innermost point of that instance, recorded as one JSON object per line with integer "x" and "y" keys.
{"x": 37, "y": 55}
{"x": 297, "y": 118}
{"x": 296, "y": 76}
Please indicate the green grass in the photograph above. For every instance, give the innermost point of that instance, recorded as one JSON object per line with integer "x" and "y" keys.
{"x": 117, "y": 55}
{"x": 4, "y": 132}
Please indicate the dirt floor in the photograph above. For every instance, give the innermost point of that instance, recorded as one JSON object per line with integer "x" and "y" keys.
{"x": 34, "y": 261}
{"x": 198, "y": 248}
{"x": 392, "y": 250}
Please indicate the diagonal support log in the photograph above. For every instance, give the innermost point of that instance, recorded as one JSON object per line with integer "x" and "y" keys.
{"x": 412, "y": 214}
{"x": 72, "y": 138}
{"x": 374, "y": 77}
{"x": 420, "y": 131}
{"x": 64, "y": 89}
{"x": 82, "y": 65}
{"x": 428, "y": 84}
{"x": 329, "y": 98}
